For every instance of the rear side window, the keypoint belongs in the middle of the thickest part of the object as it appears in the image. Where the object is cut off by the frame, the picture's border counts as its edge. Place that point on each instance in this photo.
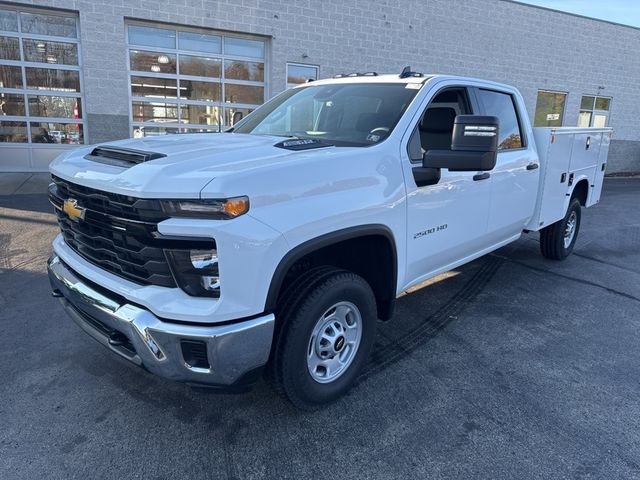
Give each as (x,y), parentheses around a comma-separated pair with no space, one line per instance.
(501,105)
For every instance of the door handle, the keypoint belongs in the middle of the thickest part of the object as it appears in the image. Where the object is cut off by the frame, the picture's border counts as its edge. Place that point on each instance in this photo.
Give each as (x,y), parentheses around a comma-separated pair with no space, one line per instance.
(481,176)
(532,166)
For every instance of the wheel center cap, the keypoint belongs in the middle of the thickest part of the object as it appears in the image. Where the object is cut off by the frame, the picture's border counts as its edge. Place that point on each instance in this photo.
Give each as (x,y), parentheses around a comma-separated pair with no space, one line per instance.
(339,344)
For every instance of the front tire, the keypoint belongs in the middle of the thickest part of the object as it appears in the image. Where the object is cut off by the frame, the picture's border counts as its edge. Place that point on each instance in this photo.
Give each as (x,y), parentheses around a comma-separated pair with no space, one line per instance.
(325,334)
(558,239)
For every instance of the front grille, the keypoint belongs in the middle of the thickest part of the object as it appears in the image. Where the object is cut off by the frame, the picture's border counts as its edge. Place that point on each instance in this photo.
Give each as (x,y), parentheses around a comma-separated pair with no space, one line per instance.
(118,233)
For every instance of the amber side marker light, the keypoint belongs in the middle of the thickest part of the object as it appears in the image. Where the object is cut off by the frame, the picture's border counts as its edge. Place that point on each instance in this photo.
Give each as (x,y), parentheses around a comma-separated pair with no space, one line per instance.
(218,209)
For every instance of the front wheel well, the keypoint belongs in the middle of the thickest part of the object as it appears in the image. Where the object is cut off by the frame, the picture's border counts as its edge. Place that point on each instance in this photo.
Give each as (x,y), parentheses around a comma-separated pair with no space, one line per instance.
(372,256)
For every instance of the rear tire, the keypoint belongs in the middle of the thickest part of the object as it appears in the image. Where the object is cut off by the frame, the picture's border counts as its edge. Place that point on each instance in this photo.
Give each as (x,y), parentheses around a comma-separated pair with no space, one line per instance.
(326,328)
(558,239)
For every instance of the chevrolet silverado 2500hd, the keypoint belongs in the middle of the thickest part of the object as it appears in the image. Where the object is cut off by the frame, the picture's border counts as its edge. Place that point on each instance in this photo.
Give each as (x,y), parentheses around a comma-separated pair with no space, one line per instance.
(205,258)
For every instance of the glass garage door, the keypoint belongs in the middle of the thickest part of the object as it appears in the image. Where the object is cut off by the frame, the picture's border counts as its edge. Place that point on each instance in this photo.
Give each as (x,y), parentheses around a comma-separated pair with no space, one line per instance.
(41,99)
(191,80)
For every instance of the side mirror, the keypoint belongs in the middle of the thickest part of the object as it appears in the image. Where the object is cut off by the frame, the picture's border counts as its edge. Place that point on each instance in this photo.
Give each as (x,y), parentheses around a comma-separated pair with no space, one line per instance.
(237,116)
(474,146)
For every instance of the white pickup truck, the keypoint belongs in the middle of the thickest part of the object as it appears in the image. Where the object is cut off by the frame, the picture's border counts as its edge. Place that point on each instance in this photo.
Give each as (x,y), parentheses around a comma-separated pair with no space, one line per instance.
(277,245)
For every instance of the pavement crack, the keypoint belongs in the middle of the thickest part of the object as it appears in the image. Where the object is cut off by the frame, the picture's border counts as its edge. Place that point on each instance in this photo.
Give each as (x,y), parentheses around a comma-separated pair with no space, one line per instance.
(609,264)
(573,279)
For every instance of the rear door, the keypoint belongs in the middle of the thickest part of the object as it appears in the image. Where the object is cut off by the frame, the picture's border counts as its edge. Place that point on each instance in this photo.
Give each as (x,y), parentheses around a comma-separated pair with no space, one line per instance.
(514,180)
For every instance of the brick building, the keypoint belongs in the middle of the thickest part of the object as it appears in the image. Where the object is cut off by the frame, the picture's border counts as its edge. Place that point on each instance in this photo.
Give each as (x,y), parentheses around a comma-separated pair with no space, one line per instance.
(88,71)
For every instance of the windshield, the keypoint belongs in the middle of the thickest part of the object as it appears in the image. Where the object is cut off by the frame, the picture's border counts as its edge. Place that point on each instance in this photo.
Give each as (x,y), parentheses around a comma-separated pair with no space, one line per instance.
(353,114)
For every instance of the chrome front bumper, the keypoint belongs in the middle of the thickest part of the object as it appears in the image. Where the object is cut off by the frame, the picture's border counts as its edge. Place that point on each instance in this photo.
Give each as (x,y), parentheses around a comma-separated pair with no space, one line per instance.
(234,352)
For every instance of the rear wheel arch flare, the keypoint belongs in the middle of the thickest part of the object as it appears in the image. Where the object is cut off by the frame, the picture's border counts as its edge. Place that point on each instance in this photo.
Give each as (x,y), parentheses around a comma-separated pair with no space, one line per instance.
(581,191)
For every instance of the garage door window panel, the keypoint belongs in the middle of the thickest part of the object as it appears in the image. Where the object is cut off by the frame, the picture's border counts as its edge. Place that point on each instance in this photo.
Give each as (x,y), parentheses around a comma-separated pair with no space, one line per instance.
(53,79)
(199,42)
(9,48)
(152,37)
(155,62)
(195,90)
(63,133)
(43,51)
(10,76)
(8,20)
(153,87)
(200,66)
(12,104)
(154,112)
(47,24)
(241,70)
(13,132)
(243,47)
(40,80)
(58,107)
(207,76)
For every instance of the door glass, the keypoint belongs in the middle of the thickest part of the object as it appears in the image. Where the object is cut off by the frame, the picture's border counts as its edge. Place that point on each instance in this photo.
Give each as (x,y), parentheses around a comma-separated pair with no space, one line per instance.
(501,105)
(602,103)
(599,120)
(587,103)
(584,119)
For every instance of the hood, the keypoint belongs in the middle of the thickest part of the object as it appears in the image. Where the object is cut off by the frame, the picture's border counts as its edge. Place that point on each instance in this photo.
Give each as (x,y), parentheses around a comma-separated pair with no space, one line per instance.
(189,163)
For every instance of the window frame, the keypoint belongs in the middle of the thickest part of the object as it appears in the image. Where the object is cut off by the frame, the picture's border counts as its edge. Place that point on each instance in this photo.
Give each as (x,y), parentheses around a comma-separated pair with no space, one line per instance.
(523,134)
(298,64)
(564,108)
(26,92)
(472,106)
(221,104)
(593,109)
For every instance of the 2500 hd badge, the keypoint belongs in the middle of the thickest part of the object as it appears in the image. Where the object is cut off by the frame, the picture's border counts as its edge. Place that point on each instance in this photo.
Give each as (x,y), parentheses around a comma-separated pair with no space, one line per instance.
(424,233)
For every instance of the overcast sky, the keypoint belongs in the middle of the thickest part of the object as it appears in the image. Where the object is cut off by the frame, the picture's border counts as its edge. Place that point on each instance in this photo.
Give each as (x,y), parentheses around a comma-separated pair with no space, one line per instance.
(619,11)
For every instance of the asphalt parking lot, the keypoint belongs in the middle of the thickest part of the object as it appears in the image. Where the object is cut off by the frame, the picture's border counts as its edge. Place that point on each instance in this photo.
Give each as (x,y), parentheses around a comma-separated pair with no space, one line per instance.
(510,367)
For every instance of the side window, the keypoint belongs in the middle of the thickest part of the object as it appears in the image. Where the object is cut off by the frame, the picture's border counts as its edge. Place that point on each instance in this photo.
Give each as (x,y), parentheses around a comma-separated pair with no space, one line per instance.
(501,105)
(435,129)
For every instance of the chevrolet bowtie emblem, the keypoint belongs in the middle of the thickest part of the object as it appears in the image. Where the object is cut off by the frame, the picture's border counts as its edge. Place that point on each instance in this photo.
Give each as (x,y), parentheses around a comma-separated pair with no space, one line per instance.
(72,209)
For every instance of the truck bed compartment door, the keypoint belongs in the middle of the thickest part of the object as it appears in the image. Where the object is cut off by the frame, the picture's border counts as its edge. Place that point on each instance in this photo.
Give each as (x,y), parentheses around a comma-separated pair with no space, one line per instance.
(601,168)
(584,157)
(555,157)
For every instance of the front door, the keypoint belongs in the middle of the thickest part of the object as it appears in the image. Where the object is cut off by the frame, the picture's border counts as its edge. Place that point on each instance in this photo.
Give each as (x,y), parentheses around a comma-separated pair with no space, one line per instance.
(446,221)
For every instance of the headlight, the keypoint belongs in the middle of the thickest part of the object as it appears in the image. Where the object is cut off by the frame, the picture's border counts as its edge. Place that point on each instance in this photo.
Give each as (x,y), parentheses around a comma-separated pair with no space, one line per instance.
(196,271)
(224,209)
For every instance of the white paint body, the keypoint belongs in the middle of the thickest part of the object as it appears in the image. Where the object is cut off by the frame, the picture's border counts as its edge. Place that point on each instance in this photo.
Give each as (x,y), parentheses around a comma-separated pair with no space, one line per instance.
(297,196)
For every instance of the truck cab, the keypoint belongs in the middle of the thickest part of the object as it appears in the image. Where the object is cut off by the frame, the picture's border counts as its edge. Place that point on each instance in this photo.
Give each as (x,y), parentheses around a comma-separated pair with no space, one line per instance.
(276,246)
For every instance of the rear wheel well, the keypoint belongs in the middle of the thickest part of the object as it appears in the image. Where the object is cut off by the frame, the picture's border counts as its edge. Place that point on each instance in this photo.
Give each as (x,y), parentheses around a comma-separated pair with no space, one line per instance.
(371,256)
(581,191)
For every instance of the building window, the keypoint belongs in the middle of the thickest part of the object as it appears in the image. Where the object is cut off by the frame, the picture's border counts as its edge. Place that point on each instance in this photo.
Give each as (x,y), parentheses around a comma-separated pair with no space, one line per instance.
(298,73)
(549,109)
(40,78)
(185,80)
(594,111)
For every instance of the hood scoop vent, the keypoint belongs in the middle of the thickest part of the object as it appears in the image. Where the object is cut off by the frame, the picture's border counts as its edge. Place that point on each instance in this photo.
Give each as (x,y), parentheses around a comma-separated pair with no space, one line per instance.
(121,157)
